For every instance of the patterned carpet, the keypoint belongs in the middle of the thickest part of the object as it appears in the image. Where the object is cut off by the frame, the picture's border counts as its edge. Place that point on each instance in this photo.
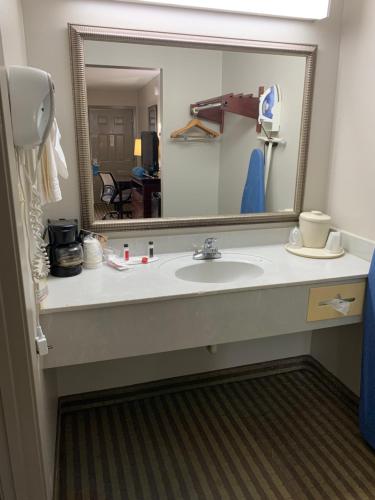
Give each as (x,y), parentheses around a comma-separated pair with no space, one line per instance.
(284,431)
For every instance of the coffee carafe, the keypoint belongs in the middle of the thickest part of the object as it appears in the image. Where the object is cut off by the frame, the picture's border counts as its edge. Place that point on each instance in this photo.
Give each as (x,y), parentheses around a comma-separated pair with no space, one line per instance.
(65,247)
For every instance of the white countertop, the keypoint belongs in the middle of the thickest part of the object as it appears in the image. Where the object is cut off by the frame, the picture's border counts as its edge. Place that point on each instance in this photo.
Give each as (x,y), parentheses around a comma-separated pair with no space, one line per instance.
(107,287)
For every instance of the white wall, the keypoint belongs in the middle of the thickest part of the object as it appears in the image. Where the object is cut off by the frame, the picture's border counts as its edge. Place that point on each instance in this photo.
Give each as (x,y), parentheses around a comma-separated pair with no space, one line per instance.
(12,32)
(246,73)
(48,47)
(187,168)
(351,199)
(113,97)
(148,96)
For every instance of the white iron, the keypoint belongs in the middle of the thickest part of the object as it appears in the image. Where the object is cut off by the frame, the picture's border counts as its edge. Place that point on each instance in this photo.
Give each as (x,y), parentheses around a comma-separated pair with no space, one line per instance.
(270,109)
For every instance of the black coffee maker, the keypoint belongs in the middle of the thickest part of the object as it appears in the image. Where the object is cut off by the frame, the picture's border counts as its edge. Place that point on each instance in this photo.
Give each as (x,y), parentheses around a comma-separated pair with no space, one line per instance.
(65,247)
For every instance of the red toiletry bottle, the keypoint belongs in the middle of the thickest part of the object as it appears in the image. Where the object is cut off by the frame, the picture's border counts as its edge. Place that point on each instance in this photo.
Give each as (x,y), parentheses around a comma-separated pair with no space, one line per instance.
(126,251)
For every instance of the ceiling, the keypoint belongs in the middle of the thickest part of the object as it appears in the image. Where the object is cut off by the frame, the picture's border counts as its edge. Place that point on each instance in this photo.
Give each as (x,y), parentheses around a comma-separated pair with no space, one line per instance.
(118,78)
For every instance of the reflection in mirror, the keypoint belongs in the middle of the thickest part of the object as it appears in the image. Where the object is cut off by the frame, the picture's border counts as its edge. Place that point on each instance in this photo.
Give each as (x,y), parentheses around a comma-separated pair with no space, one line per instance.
(180,132)
(122,111)
(186,131)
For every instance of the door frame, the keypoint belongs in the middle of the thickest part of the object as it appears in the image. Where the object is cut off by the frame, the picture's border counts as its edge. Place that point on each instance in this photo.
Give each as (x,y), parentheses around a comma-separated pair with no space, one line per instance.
(18,361)
(6,475)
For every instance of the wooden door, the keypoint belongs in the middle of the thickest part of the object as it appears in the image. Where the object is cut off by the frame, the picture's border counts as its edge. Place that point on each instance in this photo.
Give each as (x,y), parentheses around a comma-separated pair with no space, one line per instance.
(112,142)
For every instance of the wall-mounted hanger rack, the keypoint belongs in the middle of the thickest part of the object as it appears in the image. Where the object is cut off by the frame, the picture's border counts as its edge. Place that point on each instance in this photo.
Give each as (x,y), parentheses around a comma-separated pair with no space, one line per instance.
(185,138)
(240,104)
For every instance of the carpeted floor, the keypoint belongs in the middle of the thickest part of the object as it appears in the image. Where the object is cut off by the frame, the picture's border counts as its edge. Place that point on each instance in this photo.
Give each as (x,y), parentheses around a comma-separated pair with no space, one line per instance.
(285,431)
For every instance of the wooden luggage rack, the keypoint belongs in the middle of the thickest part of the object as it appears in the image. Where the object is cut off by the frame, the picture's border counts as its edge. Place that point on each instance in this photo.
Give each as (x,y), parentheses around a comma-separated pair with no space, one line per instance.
(240,104)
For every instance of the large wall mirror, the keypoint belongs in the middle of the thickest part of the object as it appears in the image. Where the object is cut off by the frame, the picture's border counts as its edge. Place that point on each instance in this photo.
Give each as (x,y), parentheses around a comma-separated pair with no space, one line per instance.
(177,130)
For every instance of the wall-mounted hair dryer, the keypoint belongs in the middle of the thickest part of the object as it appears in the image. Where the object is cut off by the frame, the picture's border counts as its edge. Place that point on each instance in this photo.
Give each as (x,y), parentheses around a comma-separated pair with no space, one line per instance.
(31,98)
(31,94)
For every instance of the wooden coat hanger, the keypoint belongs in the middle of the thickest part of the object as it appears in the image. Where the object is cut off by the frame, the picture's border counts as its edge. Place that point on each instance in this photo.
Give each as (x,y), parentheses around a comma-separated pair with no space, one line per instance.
(194,123)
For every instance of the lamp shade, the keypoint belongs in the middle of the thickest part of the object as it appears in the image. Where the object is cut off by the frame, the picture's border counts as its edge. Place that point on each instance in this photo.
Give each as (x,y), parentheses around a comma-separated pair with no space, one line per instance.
(138,147)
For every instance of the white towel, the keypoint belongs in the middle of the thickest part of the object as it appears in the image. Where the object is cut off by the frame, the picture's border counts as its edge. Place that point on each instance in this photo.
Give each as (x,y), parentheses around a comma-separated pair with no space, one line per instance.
(52,165)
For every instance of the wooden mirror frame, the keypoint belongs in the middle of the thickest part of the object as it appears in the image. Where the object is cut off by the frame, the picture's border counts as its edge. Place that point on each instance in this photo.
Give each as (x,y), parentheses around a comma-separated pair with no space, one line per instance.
(79,33)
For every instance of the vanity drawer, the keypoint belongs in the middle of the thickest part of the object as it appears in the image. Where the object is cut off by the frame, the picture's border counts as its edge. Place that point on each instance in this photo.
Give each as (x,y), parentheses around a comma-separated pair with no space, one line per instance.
(319,310)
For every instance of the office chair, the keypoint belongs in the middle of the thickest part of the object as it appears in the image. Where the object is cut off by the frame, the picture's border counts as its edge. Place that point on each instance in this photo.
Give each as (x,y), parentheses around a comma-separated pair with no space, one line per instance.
(111,195)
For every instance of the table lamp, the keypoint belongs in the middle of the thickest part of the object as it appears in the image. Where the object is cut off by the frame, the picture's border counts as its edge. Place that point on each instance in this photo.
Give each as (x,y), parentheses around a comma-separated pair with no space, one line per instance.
(138,147)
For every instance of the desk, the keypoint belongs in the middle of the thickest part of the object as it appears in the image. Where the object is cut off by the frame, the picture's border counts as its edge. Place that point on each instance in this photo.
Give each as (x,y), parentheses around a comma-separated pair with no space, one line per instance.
(143,188)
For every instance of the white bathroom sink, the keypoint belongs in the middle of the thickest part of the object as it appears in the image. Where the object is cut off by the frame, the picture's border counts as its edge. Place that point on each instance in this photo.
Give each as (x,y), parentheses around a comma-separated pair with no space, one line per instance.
(218,271)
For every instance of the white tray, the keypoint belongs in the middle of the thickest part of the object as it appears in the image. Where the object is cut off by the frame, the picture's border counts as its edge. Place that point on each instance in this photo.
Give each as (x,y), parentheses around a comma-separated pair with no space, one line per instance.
(314,253)
(135,261)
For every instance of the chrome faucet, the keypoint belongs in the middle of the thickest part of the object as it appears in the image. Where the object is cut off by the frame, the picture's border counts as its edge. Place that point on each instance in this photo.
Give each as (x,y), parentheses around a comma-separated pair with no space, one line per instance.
(209,251)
